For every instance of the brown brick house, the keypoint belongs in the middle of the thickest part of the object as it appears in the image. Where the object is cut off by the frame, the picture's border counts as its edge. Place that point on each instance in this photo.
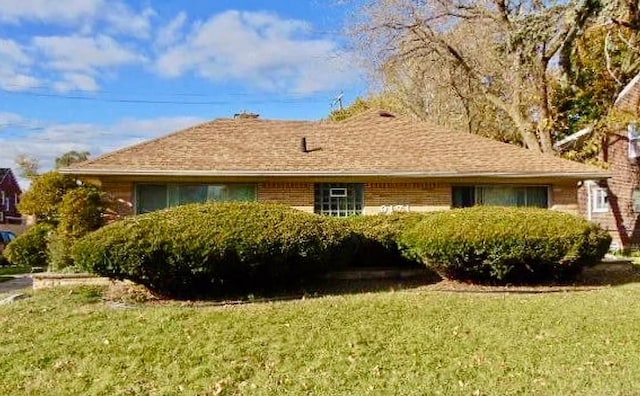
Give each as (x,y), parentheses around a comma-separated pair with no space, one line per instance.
(615,203)
(9,197)
(372,163)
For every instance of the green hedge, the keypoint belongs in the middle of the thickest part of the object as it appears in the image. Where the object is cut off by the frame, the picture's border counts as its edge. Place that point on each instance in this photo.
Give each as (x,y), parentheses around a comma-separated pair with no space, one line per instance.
(30,248)
(216,248)
(506,245)
(377,239)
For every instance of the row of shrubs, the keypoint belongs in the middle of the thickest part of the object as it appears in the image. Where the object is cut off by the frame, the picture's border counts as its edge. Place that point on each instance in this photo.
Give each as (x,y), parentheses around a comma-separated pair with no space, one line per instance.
(230,247)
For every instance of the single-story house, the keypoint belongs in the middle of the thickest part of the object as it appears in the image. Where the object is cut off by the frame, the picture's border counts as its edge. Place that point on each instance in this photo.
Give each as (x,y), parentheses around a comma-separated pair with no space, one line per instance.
(615,203)
(9,198)
(375,162)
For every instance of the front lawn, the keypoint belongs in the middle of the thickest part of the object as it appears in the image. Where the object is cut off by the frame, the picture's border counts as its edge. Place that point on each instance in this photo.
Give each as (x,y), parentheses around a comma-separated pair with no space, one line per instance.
(12,270)
(412,342)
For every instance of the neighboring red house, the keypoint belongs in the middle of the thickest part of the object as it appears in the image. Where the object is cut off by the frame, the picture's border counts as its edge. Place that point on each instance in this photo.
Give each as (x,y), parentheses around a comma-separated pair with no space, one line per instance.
(615,203)
(9,197)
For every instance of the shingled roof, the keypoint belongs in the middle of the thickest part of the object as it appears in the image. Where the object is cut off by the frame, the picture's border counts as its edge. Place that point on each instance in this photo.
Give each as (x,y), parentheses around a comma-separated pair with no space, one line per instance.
(375,143)
(629,98)
(6,176)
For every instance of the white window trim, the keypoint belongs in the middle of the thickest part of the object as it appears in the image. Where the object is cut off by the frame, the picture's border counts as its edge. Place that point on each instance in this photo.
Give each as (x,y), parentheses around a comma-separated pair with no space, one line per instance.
(635,198)
(599,201)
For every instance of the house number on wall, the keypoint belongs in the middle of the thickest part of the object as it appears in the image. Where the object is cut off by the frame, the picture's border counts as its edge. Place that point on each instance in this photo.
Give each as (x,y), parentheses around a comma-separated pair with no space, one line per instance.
(386,209)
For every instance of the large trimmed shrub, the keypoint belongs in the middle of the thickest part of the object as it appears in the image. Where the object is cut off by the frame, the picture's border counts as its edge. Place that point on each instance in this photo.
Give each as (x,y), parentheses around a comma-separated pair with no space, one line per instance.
(30,248)
(215,248)
(378,236)
(506,245)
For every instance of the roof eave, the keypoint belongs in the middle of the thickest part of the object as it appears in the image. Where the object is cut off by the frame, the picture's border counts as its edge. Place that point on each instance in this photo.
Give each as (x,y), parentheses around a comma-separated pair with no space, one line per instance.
(595,175)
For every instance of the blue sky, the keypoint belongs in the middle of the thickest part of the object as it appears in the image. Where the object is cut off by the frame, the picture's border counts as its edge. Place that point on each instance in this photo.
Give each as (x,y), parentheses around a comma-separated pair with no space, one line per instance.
(97,75)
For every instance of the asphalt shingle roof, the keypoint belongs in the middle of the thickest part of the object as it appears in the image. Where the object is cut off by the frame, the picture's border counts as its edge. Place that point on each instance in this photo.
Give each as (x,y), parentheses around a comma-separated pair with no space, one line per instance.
(373,143)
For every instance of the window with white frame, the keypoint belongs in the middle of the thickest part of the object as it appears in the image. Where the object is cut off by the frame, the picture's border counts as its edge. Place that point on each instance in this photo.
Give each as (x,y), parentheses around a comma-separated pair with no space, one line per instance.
(636,200)
(634,140)
(599,199)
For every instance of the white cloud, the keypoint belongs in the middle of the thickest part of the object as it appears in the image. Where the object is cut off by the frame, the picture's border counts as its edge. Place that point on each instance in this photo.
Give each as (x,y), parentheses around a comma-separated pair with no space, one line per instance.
(46,141)
(64,12)
(259,49)
(172,32)
(14,67)
(76,81)
(121,19)
(116,15)
(12,52)
(7,119)
(86,54)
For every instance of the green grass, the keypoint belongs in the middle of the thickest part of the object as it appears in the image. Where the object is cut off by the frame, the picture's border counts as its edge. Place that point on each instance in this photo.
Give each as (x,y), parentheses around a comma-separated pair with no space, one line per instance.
(414,342)
(14,270)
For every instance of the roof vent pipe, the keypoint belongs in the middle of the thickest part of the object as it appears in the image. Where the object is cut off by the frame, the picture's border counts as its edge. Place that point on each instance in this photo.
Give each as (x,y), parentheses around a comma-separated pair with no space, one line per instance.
(303,145)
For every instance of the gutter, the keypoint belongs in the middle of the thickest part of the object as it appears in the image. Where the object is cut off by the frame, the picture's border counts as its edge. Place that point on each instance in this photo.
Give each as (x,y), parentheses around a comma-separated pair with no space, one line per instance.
(257,173)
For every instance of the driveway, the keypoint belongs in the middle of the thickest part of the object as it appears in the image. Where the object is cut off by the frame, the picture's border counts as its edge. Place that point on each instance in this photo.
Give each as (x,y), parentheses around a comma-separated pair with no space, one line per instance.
(20,282)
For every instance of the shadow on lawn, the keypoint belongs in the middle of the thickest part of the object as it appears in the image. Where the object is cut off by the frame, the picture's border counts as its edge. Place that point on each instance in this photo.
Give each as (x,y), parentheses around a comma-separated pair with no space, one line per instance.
(590,279)
(127,292)
(428,281)
(336,287)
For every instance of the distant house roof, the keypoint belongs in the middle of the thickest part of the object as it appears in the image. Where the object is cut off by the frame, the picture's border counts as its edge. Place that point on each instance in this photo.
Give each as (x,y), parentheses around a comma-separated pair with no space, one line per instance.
(573,139)
(375,143)
(629,98)
(7,174)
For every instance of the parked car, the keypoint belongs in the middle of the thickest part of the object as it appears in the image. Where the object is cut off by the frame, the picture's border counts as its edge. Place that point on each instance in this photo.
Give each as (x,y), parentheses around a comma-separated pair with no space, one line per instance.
(5,238)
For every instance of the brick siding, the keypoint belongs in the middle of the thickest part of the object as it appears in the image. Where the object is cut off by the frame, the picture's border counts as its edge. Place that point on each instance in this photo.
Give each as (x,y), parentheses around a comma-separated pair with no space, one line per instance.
(418,197)
(620,220)
(564,198)
(298,195)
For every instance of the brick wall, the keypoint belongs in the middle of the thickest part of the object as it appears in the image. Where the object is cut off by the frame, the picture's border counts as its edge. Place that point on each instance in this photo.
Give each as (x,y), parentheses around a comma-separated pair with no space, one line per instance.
(564,198)
(298,195)
(418,197)
(620,220)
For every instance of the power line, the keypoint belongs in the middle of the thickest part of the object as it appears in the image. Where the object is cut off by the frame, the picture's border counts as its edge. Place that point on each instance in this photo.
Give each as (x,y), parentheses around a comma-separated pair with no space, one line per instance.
(172,102)
(24,88)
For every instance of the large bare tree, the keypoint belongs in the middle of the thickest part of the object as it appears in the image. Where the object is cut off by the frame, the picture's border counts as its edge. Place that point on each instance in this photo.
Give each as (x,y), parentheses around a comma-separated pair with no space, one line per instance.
(505,55)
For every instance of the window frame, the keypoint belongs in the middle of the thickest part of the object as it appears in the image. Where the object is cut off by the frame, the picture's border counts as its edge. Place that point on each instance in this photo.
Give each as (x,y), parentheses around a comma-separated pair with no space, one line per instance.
(168,186)
(599,199)
(324,199)
(475,187)
(635,199)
